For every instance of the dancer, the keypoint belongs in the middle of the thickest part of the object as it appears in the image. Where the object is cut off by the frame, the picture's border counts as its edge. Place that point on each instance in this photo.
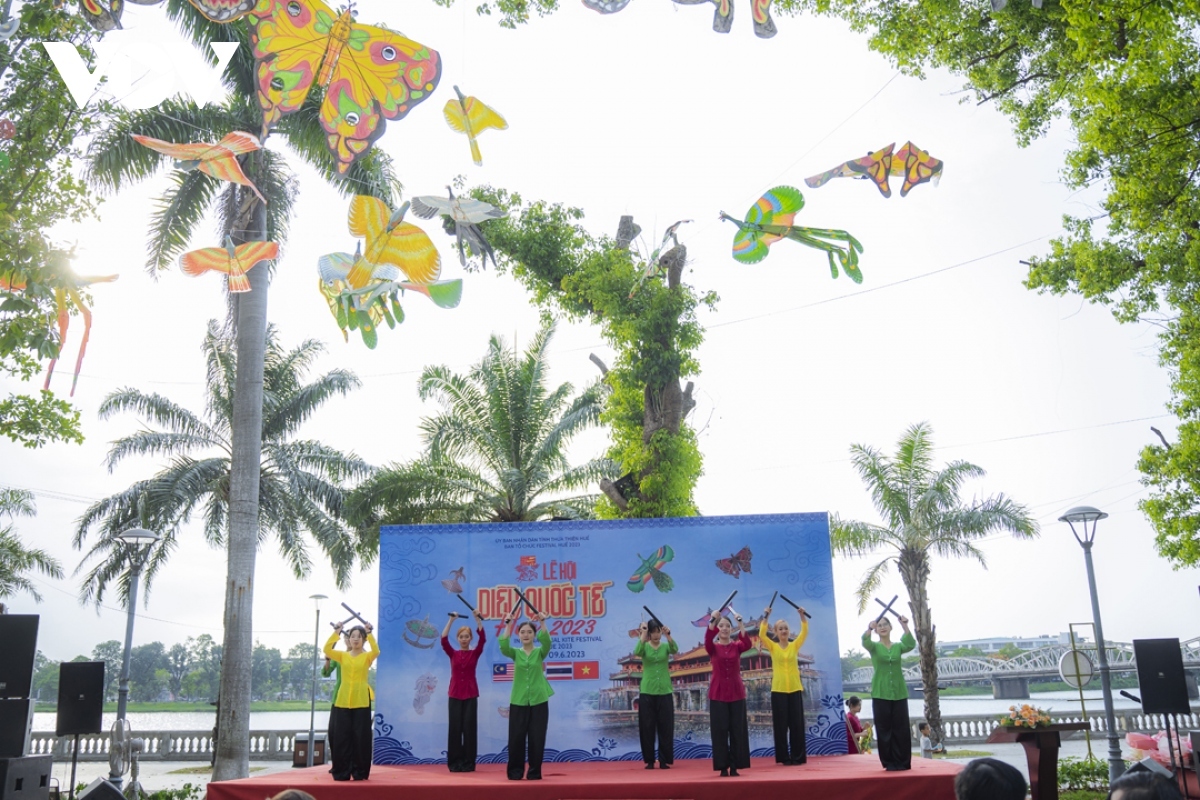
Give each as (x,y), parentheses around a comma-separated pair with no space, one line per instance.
(656,703)
(462,744)
(529,708)
(889,693)
(727,695)
(787,693)
(352,707)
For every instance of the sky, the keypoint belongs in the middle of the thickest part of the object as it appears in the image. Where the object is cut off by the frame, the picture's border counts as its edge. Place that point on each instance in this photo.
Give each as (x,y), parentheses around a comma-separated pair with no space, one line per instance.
(649,112)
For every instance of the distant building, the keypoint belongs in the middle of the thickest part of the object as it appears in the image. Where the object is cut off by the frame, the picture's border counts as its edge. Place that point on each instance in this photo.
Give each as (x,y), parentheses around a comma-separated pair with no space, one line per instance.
(996,644)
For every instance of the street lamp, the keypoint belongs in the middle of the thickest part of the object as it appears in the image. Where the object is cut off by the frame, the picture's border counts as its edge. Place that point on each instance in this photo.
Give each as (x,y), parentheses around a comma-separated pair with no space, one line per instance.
(312,709)
(1087,517)
(137,543)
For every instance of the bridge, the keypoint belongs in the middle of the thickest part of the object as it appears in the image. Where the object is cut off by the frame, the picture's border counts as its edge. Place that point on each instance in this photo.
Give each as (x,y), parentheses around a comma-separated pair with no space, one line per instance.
(1010,678)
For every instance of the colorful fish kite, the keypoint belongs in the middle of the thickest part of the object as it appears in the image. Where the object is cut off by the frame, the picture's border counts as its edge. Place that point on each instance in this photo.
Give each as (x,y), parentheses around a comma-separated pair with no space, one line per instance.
(218,160)
(737,563)
(67,287)
(471,116)
(233,260)
(224,11)
(379,301)
(915,164)
(369,74)
(651,570)
(770,220)
(466,214)
(653,267)
(453,584)
(760,10)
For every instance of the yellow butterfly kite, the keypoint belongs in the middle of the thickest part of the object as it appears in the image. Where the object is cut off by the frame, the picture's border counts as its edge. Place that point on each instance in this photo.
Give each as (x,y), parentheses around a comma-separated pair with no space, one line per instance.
(471,116)
(218,160)
(234,260)
(390,240)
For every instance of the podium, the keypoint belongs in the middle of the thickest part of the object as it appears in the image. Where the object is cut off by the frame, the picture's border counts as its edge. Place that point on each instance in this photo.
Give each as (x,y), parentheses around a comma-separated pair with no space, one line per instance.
(1041,753)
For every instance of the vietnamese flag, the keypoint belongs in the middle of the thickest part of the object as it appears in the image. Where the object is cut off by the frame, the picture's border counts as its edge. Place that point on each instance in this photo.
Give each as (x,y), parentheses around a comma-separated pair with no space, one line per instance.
(587,670)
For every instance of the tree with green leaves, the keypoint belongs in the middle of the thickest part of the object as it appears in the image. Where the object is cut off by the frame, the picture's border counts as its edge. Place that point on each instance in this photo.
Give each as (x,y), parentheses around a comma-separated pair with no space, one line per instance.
(116,160)
(497,450)
(112,653)
(39,188)
(647,313)
(923,517)
(17,561)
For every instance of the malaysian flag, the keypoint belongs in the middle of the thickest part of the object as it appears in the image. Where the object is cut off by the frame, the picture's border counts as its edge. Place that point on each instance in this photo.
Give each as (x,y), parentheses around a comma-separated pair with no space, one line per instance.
(559,671)
(502,672)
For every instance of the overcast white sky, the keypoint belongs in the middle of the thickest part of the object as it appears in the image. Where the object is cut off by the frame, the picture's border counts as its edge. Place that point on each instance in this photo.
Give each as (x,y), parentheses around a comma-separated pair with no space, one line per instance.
(651,113)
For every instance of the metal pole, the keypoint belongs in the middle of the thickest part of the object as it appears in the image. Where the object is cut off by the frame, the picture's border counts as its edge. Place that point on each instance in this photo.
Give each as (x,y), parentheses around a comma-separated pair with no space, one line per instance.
(1087,732)
(312,709)
(135,571)
(1116,765)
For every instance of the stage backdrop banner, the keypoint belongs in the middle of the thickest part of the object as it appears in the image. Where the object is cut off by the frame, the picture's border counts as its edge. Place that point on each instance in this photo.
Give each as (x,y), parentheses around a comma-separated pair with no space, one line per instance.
(595,579)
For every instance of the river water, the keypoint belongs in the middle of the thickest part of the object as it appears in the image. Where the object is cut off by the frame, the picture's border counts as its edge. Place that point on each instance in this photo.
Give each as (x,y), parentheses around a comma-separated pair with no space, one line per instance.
(976,705)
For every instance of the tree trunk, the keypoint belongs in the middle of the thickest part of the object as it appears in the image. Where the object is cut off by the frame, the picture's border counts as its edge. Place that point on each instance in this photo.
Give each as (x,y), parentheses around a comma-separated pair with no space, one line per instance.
(233,713)
(914,570)
(666,404)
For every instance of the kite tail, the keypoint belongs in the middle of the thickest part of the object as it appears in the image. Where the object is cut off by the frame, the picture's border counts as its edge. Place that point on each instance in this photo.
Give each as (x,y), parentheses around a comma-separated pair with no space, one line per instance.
(475,153)
(87,333)
(238,282)
(359,274)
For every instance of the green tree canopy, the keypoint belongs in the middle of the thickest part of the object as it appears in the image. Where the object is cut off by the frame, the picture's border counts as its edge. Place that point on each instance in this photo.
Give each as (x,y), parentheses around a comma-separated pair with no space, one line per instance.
(496,452)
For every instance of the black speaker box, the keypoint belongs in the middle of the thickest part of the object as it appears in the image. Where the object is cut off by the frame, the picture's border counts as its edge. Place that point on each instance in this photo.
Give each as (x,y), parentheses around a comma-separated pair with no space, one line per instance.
(19,634)
(16,722)
(80,698)
(25,778)
(1160,676)
(100,789)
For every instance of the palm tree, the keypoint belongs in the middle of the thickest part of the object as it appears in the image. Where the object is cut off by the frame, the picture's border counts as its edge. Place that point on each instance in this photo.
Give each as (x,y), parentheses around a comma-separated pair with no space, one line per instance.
(115,161)
(17,560)
(495,453)
(922,517)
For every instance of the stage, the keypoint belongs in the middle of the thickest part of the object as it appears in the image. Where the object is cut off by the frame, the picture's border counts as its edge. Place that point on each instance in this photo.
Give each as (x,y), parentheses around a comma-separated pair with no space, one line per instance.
(858,777)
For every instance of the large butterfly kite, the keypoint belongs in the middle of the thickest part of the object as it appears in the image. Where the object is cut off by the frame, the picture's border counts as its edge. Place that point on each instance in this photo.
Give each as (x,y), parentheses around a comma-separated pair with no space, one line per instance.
(737,563)
(769,220)
(915,164)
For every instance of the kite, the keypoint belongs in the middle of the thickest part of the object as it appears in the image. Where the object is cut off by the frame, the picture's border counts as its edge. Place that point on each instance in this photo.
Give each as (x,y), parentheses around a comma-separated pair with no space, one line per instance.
(224,11)
(390,240)
(606,6)
(651,569)
(421,630)
(466,215)
(218,160)
(998,5)
(915,164)
(423,691)
(105,15)
(234,261)
(770,219)
(471,116)
(453,583)
(368,74)
(8,28)
(363,309)
(653,266)
(760,10)
(737,563)
(67,287)
(7,129)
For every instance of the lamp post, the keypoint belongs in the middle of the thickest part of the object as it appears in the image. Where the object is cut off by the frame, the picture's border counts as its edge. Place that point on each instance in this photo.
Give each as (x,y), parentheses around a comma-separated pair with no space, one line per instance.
(312,708)
(1086,518)
(137,543)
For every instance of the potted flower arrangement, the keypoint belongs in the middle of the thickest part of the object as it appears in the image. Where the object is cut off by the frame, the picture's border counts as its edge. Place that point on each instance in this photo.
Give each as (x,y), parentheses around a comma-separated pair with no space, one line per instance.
(1026,716)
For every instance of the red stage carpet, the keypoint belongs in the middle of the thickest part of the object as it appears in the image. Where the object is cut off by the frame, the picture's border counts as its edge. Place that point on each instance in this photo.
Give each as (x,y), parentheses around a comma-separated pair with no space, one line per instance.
(843,777)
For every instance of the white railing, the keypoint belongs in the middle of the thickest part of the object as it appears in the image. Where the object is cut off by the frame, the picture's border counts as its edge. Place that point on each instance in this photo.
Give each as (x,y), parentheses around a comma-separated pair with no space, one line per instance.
(163,745)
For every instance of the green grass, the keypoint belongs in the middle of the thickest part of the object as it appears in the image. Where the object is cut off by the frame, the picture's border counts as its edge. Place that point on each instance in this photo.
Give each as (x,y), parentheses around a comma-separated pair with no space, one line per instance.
(1081,794)
(205,770)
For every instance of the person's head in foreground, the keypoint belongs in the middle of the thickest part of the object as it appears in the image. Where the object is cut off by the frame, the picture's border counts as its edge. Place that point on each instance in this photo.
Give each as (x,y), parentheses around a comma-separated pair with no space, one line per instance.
(1143,784)
(292,794)
(989,779)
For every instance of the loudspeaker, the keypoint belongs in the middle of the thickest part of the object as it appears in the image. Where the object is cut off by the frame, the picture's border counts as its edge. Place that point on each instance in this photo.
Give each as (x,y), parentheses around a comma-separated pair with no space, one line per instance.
(100,789)
(25,778)
(1160,676)
(16,722)
(80,698)
(19,634)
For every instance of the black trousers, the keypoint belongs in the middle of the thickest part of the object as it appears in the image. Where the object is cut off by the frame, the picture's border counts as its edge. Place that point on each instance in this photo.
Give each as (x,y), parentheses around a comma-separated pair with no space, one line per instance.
(656,716)
(463,742)
(527,726)
(352,743)
(894,733)
(787,718)
(329,738)
(730,734)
